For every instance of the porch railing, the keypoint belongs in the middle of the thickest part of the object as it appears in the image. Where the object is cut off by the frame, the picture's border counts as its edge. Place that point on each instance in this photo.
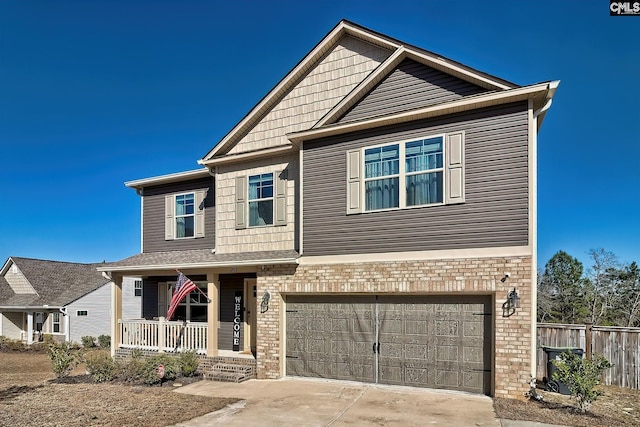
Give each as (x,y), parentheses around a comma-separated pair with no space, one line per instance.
(161,335)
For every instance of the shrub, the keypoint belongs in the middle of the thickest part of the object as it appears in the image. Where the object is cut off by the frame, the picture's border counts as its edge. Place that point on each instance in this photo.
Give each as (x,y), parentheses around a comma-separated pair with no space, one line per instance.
(104,341)
(131,370)
(149,372)
(581,376)
(8,344)
(189,363)
(62,359)
(88,341)
(101,366)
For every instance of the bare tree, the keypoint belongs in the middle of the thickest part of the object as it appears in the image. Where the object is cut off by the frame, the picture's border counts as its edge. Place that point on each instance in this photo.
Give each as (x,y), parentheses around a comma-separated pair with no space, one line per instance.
(600,286)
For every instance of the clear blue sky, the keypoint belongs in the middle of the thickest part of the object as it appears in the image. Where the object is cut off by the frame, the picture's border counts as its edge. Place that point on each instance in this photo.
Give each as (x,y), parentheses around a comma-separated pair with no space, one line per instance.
(95,93)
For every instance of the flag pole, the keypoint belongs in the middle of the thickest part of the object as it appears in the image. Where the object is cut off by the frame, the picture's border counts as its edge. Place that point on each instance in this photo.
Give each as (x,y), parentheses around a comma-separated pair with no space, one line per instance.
(199,290)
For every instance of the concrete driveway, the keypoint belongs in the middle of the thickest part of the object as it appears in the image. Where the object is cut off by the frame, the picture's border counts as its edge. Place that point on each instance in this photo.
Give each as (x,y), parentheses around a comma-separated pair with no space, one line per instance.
(315,402)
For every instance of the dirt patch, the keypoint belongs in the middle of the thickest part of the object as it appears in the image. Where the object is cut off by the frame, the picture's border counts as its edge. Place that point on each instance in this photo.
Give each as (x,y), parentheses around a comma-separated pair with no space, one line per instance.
(616,407)
(31,395)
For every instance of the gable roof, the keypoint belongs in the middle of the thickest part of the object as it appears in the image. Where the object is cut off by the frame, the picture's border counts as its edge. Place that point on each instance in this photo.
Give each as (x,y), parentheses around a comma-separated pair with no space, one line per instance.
(401,50)
(57,283)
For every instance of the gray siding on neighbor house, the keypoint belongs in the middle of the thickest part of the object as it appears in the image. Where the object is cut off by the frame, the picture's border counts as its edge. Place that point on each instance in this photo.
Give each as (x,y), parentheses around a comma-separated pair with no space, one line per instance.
(131,304)
(12,325)
(153,217)
(411,85)
(97,322)
(496,184)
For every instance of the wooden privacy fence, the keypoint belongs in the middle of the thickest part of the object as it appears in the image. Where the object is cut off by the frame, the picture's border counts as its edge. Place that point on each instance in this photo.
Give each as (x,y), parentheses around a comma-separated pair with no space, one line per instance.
(621,346)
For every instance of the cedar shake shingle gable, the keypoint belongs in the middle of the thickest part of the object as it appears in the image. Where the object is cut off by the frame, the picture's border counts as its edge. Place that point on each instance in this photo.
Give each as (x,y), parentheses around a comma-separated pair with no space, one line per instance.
(57,283)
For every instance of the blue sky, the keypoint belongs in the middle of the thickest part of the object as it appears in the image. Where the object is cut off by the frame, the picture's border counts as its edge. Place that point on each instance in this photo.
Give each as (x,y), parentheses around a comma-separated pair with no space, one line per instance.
(96,93)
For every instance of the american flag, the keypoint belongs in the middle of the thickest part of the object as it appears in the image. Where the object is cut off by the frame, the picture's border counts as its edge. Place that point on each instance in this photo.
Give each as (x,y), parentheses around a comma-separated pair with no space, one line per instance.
(183,287)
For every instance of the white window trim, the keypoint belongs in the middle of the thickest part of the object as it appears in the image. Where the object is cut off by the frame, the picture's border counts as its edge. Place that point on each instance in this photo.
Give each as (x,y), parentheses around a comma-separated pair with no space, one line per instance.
(402,174)
(176,216)
(272,198)
(135,287)
(186,302)
(53,323)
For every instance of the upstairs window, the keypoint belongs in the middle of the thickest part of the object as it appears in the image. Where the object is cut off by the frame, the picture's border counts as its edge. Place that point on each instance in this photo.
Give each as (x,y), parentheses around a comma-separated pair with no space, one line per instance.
(261,200)
(382,175)
(424,181)
(418,172)
(185,215)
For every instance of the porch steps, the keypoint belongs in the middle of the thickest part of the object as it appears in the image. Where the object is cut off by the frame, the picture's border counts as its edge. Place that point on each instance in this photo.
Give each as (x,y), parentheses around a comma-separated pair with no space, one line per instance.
(228,372)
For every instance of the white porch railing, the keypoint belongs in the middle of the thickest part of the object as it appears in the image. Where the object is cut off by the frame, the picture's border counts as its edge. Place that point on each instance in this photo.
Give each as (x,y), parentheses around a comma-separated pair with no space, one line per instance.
(161,335)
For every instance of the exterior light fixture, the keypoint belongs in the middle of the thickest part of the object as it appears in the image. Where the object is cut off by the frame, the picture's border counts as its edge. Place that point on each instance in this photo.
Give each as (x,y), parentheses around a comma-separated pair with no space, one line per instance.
(510,305)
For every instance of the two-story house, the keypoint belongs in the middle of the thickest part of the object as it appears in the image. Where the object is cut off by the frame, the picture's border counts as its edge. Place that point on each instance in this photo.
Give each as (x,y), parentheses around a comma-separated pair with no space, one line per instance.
(367,220)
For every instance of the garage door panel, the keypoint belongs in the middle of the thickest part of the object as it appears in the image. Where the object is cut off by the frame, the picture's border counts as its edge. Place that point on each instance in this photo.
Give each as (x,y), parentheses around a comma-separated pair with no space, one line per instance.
(424,341)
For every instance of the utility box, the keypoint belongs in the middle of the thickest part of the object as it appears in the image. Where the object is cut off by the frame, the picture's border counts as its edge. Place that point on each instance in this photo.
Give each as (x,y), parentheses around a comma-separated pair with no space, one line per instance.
(553,353)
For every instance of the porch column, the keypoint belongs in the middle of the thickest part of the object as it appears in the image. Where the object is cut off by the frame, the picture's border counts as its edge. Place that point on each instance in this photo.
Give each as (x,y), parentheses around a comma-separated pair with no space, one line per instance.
(116,312)
(67,327)
(30,327)
(213,313)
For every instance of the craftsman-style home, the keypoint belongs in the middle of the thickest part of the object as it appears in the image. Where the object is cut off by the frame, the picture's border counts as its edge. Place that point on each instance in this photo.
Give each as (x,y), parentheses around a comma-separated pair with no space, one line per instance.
(372,218)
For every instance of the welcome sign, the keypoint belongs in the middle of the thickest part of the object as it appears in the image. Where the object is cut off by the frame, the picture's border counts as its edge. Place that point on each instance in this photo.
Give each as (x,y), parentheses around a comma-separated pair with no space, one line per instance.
(237,318)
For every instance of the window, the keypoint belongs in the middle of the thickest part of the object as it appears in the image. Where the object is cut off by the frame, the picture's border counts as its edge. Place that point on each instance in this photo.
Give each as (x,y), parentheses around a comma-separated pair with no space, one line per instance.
(423,171)
(194,306)
(137,288)
(81,313)
(39,321)
(185,215)
(261,200)
(419,172)
(56,322)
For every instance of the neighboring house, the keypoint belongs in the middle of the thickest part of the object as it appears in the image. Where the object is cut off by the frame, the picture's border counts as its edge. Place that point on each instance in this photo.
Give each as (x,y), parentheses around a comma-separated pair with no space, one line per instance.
(62,299)
(366,220)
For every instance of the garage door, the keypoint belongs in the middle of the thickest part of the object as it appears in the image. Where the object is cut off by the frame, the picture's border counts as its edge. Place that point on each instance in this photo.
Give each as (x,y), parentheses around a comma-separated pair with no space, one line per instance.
(438,342)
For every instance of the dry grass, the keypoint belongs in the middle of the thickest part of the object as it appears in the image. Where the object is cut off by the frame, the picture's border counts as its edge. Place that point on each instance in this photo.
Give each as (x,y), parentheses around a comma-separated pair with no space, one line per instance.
(31,396)
(616,407)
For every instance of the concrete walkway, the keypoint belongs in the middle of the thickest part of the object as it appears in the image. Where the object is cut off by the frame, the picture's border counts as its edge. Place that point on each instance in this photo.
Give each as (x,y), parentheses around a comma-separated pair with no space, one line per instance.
(314,402)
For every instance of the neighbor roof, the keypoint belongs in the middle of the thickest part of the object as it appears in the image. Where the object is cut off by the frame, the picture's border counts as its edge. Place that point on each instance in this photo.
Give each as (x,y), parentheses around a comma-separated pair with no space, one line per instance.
(57,283)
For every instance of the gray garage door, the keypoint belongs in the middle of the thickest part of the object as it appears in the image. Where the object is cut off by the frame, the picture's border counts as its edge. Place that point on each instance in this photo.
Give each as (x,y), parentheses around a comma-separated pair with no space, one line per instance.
(439,342)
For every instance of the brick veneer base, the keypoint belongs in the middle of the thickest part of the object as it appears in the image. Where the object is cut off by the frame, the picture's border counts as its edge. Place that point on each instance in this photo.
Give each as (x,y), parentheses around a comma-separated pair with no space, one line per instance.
(511,340)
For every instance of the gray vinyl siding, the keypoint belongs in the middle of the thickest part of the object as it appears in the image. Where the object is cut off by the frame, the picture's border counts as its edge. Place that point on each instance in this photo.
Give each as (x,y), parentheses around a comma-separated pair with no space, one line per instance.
(131,304)
(495,212)
(12,325)
(153,217)
(411,85)
(96,322)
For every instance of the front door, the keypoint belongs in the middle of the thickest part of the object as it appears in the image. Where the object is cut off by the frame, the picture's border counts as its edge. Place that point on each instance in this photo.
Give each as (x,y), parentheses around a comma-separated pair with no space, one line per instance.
(250,317)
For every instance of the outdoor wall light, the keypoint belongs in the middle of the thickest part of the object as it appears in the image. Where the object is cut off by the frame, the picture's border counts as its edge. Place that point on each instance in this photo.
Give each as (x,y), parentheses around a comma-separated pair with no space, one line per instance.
(512,302)
(264,304)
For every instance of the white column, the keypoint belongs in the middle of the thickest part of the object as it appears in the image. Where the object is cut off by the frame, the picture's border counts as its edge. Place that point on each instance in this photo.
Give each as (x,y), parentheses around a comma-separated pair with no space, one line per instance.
(67,327)
(30,327)
(116,312)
